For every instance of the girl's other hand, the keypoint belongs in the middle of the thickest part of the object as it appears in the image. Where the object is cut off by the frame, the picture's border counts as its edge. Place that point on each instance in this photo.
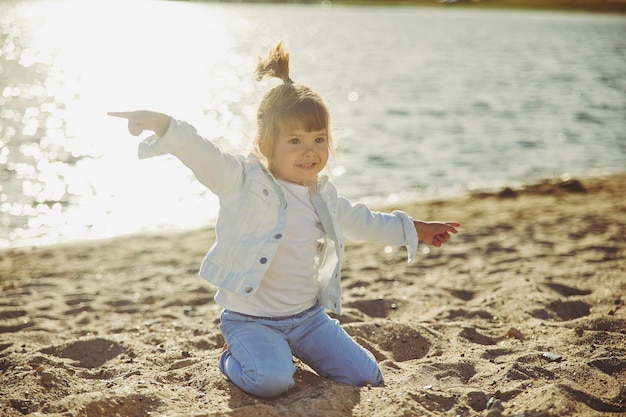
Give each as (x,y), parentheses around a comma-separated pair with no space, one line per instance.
(435,233)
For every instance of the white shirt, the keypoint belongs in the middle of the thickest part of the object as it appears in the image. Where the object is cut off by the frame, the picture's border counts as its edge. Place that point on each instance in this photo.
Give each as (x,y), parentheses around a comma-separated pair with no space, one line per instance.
(290,284)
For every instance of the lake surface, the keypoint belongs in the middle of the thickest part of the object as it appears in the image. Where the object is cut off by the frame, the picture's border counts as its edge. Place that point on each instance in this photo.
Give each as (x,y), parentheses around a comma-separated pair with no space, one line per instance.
(425,102)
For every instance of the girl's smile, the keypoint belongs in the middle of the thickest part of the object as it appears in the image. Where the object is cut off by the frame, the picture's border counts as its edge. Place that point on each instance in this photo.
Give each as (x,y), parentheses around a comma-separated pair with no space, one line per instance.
(308,165)
(299,156)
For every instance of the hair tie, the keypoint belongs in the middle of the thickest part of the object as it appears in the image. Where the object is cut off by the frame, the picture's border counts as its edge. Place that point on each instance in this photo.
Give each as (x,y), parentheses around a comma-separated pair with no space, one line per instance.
(288,81)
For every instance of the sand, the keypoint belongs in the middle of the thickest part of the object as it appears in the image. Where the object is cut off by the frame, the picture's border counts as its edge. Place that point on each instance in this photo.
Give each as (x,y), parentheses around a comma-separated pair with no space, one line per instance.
(520,314)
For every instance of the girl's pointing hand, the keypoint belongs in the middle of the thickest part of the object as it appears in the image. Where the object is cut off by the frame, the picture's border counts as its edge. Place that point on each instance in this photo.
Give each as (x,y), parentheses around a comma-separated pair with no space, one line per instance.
(141,120)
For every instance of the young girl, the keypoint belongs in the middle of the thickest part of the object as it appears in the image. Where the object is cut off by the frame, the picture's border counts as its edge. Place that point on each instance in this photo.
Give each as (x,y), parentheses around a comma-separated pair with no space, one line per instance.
(279,246)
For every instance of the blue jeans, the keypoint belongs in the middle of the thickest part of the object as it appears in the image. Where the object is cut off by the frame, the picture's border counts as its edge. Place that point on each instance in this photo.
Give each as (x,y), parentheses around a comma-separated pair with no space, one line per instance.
(260,349)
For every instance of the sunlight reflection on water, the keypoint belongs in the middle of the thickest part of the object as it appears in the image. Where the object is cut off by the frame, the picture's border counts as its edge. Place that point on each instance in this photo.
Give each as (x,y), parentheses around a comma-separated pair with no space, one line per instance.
(77,177)
(425,101)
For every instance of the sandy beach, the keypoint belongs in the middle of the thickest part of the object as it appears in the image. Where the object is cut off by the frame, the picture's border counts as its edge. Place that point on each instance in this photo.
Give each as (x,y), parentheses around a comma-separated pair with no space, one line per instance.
(522,314)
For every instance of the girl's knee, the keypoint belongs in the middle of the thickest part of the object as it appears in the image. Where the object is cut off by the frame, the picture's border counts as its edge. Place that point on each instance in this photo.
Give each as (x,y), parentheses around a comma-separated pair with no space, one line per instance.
(263,381)
(375,379)
(269,385)
(360,379)
(359,373)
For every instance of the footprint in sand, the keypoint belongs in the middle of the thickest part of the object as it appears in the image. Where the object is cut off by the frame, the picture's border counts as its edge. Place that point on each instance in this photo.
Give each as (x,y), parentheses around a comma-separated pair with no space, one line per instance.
(13,320)
(89,353)
(470,333)
(100,404)
(380,308)
(402,342)
(565,290)
(563,310)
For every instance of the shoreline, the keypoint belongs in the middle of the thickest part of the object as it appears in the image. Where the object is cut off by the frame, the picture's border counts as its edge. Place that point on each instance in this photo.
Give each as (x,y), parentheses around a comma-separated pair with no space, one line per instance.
(522,313)
(588,6)
(615,6)
(376,203)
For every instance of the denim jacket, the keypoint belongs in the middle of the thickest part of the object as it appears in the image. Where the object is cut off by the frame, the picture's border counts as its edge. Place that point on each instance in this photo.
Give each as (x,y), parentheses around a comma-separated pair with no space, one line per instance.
(252,216)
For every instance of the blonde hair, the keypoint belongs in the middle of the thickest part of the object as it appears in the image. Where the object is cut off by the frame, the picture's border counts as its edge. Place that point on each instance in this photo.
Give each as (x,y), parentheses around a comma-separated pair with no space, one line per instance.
(285,107)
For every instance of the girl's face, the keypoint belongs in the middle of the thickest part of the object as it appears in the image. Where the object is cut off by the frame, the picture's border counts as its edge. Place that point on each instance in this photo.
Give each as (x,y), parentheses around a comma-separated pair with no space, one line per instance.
(299,156)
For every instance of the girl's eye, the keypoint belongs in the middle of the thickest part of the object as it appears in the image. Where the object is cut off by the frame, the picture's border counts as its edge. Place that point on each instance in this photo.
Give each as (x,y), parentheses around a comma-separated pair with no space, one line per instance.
(294,141)
(320,140)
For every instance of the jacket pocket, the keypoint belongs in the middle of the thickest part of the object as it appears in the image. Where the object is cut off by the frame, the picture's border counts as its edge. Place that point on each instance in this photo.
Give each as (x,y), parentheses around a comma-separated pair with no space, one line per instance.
(264,192)
(257,210)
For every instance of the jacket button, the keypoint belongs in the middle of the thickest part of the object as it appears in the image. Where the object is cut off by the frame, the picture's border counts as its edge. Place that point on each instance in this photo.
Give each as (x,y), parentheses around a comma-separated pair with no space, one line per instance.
(248,290)
(266,193)
(263,260)
(277,236)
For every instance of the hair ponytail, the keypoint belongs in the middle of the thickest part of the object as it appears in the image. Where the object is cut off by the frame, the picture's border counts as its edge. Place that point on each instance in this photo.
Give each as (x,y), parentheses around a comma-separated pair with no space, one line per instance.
(275,65)
(285,106)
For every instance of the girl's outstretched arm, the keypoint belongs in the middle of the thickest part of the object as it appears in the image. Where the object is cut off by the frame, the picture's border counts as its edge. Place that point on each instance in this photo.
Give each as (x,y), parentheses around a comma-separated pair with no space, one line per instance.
(435,233)
(141,120)
(220,172)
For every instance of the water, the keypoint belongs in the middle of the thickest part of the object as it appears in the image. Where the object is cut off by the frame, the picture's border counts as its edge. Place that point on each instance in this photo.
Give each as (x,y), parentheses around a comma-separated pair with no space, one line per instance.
(425,102)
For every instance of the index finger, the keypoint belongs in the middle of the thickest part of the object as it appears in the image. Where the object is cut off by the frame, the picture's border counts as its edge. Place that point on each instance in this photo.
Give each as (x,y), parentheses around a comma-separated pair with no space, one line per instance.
(122,114)
(453,226)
